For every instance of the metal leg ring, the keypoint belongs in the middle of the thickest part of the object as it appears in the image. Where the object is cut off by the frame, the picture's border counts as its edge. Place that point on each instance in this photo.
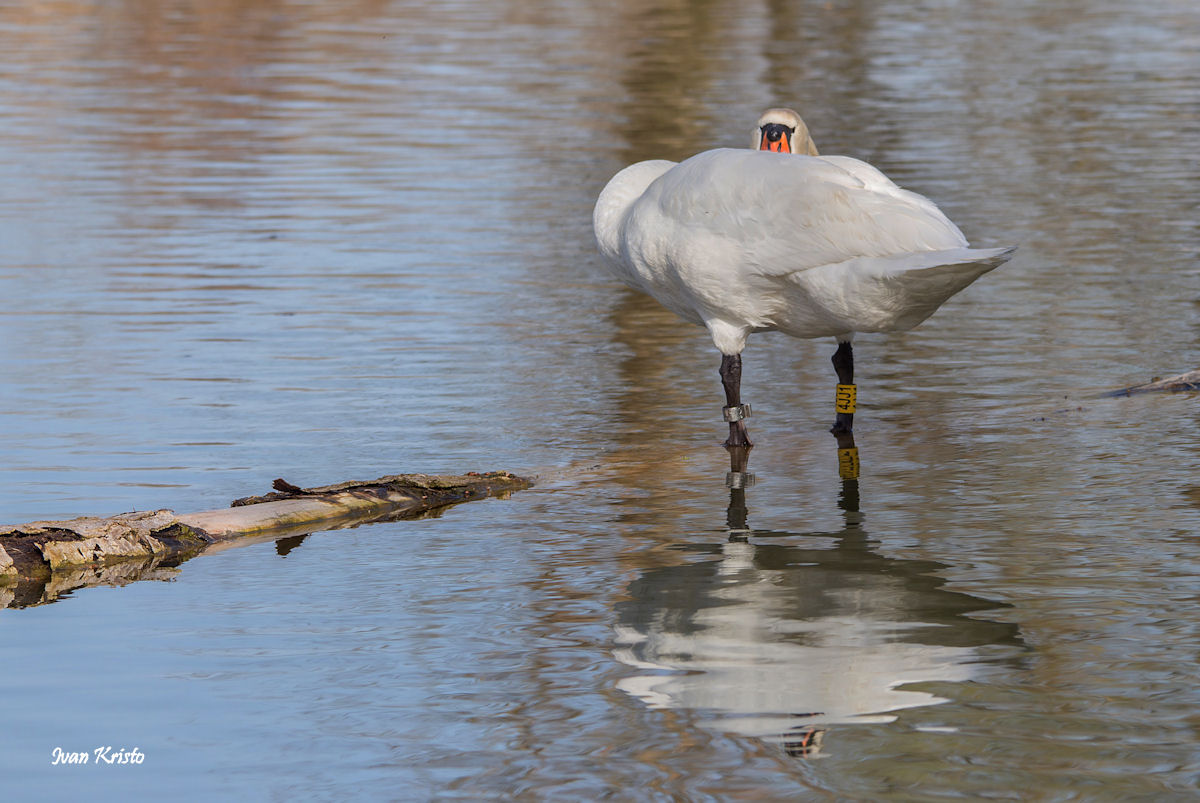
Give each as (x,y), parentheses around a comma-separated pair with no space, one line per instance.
(736,413)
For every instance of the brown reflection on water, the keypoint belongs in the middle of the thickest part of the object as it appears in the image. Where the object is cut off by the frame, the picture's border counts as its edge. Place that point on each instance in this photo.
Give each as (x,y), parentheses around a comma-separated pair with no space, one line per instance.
(667,71)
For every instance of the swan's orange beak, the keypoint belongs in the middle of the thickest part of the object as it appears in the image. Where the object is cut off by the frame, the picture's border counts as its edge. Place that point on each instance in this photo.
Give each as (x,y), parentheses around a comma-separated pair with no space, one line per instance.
(776,137)
(778,146)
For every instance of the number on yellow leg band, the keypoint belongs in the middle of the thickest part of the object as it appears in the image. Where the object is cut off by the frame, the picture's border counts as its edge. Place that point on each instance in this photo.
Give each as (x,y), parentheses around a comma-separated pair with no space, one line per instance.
(845,398)
(848,463)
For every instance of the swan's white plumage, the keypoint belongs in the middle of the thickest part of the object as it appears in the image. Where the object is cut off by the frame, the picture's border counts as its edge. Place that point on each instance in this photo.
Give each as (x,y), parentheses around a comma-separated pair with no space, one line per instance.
(747,241)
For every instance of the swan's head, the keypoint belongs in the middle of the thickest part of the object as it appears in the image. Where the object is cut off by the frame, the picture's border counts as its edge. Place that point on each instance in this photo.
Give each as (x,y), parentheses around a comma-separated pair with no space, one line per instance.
(783,131)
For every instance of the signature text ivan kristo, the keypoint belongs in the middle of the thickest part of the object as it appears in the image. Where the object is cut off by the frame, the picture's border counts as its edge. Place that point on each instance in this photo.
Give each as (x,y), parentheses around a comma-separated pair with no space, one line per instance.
(101,755)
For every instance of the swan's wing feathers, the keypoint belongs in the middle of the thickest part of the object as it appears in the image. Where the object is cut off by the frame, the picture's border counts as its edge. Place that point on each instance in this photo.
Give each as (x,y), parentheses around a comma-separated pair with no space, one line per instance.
(789,212)
(874,180)
(842,214)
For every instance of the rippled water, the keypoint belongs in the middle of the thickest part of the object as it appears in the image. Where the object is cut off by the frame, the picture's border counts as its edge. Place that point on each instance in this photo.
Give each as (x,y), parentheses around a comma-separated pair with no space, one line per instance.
(333,241)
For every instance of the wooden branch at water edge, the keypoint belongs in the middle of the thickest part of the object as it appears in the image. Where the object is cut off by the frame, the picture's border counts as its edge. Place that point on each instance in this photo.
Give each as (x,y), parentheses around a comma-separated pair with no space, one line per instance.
(1171,384)
(35,550)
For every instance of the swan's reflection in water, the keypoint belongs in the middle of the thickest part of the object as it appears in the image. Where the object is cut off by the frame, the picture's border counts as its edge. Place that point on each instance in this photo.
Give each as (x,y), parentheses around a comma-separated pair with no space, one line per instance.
(778,634)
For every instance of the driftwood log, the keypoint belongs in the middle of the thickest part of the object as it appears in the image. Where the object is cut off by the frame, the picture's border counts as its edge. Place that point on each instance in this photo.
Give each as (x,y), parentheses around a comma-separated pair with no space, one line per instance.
(1187,381)
(42,559)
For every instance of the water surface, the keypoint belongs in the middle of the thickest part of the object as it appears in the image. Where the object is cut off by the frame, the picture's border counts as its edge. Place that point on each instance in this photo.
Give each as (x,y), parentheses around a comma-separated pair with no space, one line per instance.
(282,238)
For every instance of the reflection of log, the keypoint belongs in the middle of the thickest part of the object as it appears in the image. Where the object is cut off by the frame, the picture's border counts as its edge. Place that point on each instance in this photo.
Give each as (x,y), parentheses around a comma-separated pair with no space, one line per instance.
(34,591)
(163,538)
(1187,381)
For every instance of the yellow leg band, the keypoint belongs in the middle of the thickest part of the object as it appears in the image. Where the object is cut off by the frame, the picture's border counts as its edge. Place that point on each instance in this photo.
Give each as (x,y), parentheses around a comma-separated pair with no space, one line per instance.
(845,398)
(848,463)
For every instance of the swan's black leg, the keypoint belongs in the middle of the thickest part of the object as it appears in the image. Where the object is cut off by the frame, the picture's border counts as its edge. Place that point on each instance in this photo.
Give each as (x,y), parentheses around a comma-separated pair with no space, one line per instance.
(738,479)
(843,363)
(735,411)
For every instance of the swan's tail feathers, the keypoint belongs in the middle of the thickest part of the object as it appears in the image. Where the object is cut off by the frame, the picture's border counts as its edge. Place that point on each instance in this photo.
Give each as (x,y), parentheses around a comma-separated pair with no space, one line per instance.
(918,289)
(892,294)
(957,261)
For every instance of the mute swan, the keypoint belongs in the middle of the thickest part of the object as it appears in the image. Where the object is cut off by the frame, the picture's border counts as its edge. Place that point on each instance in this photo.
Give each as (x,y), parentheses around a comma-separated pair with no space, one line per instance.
(745,241)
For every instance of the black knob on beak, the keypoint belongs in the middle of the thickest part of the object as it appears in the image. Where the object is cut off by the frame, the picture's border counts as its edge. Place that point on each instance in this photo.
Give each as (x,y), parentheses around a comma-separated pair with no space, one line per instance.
(776,137)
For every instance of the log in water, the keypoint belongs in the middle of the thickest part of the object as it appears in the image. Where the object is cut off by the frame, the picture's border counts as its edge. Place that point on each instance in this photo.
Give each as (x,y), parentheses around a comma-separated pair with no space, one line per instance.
(1171,384)
(50,556)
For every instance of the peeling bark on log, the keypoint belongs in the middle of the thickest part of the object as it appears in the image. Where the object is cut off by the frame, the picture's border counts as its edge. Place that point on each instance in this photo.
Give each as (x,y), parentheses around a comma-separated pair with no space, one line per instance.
(1172,384)
(42,559)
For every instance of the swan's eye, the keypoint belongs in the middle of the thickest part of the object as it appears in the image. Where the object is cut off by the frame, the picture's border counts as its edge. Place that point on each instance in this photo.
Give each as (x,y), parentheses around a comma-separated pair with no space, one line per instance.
(776,137)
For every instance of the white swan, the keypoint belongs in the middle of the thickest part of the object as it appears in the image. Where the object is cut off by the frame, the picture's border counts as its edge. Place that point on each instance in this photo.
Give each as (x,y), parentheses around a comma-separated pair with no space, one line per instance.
(745,241)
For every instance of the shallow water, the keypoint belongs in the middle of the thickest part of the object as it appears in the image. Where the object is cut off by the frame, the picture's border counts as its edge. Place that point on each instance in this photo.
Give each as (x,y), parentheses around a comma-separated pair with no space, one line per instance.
(252,240)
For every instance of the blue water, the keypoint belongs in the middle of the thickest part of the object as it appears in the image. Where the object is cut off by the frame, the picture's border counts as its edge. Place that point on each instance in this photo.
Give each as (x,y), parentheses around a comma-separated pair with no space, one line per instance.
(322,243)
